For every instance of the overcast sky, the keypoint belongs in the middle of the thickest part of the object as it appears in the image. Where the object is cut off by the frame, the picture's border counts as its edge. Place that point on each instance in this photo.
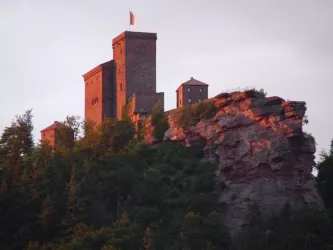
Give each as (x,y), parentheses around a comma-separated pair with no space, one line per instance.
(283,46)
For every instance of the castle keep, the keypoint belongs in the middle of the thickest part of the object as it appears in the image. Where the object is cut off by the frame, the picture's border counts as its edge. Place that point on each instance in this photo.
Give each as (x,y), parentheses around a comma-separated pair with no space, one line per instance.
(130,79)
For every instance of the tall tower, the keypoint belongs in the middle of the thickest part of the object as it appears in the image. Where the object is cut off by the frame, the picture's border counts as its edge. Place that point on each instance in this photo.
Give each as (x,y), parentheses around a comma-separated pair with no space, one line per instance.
(134,54)
(130,76)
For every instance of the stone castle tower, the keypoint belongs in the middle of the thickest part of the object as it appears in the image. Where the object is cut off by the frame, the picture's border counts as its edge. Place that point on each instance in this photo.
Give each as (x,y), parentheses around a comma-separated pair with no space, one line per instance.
(129,78)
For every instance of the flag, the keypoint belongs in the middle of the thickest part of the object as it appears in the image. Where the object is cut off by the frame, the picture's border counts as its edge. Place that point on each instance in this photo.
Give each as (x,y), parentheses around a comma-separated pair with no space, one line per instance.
(132,18)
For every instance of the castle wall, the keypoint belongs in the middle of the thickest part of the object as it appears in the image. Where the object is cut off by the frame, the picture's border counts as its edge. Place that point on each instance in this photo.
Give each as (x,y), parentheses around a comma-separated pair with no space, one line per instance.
(135,57)
(144,103)
(119,56)
(94,98)
(109,92)
(48,136)
(183,95)
(141,66)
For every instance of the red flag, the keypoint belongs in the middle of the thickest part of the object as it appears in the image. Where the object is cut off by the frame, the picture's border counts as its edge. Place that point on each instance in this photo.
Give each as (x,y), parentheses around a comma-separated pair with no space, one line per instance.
(132,18)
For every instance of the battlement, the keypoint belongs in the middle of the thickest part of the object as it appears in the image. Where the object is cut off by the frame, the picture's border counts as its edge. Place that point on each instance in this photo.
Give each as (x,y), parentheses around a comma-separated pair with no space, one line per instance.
(137,35)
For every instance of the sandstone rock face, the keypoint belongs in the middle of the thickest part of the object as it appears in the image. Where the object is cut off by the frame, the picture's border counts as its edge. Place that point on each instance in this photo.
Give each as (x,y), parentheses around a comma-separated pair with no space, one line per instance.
(264,159)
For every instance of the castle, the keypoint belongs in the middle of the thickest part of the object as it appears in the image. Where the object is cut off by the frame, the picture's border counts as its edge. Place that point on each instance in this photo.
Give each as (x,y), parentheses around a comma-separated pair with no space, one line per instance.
(129,78)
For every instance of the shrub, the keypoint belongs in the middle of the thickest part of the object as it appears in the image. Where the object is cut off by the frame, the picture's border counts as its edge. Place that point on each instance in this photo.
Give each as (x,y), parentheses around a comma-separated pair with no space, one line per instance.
(192,114)
(159,120)
(255,93)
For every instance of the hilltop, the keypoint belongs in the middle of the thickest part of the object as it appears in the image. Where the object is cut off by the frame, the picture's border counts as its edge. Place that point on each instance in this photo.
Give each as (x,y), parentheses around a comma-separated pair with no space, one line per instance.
(231,172)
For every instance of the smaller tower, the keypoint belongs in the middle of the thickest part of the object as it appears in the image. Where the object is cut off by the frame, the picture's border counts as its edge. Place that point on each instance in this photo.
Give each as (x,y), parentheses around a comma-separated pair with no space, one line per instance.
(100,96)
(57,135)
(191,92)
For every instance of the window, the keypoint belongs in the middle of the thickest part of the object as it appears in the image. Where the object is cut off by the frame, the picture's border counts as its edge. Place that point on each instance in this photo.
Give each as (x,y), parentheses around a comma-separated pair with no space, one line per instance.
(189,90)
(189,100)
(140,49)
(200,89)
(44,134)
(94,101)
(121,87)
(199,100)
(180,102)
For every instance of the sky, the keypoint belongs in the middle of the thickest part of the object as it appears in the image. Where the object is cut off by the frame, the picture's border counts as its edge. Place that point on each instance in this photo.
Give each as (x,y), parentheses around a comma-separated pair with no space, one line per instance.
(282,46)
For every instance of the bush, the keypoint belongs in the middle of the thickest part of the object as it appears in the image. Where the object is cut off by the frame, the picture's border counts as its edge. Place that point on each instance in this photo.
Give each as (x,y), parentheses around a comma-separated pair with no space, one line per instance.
(255,93)
(161,125)
(192,114)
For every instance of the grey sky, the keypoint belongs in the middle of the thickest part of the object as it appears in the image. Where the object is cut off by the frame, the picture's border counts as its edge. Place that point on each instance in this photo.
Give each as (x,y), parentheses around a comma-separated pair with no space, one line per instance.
(283,46)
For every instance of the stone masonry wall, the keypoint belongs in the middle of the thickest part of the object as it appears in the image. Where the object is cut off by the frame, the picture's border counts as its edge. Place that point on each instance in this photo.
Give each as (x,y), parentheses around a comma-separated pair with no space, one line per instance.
(94,98)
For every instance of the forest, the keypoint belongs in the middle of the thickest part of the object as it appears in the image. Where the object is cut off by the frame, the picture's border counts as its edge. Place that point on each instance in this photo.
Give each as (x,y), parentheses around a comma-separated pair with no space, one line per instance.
(112,192)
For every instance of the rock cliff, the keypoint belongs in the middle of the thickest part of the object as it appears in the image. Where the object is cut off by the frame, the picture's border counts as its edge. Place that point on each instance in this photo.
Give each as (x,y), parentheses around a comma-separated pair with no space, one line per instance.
(264,158)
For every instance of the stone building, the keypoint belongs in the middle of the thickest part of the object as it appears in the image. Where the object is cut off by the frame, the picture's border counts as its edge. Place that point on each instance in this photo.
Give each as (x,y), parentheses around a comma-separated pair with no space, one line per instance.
(190,92)
(100,96)
(56,135)
(129,78)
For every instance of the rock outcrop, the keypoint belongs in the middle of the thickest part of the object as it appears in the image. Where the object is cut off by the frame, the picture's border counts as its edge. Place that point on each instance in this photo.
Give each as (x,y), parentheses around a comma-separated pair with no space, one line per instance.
(264,158)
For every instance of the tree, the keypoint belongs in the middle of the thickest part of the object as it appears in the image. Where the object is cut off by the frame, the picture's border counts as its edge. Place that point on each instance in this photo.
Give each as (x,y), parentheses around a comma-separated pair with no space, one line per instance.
(16,142)
(75,124)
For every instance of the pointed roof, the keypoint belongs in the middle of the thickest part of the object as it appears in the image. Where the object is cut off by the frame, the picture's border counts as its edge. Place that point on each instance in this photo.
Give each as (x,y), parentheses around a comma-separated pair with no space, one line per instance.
(55,125)
(195,82)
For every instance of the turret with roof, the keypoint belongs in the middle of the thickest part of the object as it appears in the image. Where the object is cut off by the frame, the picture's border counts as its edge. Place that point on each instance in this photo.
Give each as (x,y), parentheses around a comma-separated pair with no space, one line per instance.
(191,91)
(57,134)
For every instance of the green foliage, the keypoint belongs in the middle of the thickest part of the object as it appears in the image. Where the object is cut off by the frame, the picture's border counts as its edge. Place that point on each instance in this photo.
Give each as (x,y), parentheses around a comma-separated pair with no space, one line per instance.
(75,124)
(255,93)
(204,232)
(325,177)
(126,111)
(160,122)
(192,114)
(114,193)
(109,137)
(16,142)
(303,229)
(108,192)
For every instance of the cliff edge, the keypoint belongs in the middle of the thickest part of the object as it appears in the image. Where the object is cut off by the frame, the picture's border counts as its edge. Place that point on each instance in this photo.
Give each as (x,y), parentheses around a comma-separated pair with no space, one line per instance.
(264,158)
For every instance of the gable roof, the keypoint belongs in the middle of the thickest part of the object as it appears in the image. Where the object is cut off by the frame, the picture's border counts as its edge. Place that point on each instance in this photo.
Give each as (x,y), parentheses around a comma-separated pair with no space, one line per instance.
(55,125)
(193,82)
